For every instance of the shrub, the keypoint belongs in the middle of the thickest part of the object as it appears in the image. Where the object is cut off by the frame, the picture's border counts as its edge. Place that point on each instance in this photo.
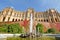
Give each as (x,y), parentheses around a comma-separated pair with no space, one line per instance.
(51,30)
(39,28)
(11,28)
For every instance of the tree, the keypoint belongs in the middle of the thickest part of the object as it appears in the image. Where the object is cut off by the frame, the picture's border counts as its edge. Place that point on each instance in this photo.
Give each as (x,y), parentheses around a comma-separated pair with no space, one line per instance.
(26,25)
(15,28)
(39,28)
(11,28)
(3,28)
(51,30)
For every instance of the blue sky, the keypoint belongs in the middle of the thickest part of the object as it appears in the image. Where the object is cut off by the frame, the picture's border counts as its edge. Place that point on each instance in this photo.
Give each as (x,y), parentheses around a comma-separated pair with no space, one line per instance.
(38,5)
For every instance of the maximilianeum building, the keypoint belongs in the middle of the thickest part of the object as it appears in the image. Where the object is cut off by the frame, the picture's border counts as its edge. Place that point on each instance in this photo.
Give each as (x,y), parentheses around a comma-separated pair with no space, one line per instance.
(9,14)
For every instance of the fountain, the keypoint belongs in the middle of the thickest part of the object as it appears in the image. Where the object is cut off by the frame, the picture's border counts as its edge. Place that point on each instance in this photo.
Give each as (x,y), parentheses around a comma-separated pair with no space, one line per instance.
(31,23)
(31,26)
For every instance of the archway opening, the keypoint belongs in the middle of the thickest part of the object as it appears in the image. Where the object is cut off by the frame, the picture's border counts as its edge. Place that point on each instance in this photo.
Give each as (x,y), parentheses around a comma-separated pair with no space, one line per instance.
(47,20)
(21,19)
(16,20)
(3,18)
(52,20)
(41,20)
(56,19)
(44,20)
(13,20)
(8,18)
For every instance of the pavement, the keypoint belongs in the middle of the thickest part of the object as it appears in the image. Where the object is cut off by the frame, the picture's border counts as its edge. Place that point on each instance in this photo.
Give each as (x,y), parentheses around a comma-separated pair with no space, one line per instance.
(2,39)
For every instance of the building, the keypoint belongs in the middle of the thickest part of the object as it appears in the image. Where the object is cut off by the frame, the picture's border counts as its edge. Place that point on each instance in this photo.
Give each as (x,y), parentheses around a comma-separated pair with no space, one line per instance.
(9,14)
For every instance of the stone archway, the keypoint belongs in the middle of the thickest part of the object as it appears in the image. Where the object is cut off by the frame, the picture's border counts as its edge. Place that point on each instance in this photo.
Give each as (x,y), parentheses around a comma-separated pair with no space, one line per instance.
(56,19)
(41,20)
(21,19)
(47,20)
(52,20)
(18,19)
(3,18)
(8,18)
(13,20)
(44,20)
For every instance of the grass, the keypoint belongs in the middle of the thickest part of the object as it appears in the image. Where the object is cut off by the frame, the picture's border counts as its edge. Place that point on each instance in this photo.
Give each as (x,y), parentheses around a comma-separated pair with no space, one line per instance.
(40,38)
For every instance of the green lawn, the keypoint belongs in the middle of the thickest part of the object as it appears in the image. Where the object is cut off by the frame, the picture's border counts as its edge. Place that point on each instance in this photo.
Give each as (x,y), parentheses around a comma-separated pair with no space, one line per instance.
(40,38)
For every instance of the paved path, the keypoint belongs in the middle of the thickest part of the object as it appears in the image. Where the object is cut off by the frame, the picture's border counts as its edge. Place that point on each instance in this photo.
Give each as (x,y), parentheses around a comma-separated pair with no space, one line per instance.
(2,39)
(8,35)
(55,35)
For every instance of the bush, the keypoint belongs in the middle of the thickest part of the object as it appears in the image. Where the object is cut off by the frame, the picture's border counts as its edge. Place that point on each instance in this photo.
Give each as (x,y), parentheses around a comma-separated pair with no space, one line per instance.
(11,28)
(39,28)
(51,30)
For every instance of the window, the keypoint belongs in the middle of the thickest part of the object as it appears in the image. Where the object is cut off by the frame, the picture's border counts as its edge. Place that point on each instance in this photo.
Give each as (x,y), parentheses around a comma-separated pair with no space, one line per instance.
(47,20)
(18,19)
(11,13)
(39,20)
(13,20)
(3,18)
(44,20)
(8,18)
(52,20)
(56,19)
(21,19)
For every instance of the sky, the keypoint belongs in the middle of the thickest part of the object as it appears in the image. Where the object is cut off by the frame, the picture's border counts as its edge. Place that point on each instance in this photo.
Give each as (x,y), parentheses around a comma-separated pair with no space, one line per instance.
(37,5)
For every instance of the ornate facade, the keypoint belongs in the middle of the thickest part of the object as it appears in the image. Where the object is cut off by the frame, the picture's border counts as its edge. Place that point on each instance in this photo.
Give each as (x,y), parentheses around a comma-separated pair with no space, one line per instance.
(9,14)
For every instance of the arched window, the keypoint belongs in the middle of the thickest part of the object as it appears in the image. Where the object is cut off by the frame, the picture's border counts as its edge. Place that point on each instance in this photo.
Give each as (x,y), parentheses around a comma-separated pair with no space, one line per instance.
(52,20)
(8,18)
(13,20)
(39,20)
(11,13)
(44,20)
(56,19)
(3,18)
(47,20)
(16,20)
(21,19)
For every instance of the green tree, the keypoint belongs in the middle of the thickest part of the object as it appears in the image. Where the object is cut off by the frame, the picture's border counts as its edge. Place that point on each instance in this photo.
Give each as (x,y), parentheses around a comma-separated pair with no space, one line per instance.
(51,30)
(3,28)
(14,28)
(11,28)
(39,28)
